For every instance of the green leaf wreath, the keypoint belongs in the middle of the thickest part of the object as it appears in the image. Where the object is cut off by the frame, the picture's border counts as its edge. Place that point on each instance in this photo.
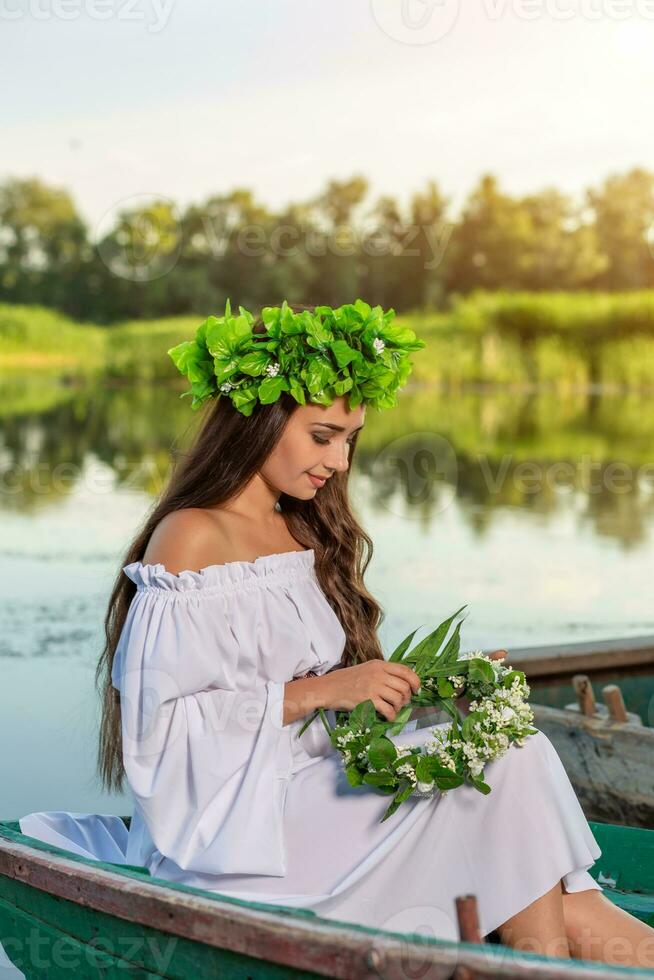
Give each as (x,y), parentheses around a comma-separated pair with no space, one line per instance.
(354,350)
(499,716)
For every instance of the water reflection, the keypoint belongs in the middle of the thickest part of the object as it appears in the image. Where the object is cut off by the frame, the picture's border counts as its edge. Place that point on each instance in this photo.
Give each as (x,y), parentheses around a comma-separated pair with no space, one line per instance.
(491,452)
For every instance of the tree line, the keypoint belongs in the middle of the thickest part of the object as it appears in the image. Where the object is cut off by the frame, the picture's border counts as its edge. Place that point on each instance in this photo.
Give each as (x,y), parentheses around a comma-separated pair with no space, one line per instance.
(149,258)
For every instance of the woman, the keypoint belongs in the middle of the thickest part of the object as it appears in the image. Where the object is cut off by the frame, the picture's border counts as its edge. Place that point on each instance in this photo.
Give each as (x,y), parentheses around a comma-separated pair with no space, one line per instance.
(241,608)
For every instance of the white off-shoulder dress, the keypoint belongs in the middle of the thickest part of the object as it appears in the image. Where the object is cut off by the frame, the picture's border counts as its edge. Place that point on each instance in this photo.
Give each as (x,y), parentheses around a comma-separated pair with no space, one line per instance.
(227,798)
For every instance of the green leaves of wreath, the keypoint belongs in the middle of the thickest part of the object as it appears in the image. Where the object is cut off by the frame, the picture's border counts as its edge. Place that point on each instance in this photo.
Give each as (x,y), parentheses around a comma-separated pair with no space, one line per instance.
(354,350)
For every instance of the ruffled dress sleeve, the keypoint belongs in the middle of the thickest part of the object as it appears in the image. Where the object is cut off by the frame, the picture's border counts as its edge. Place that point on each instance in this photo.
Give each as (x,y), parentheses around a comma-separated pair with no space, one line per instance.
(201,666)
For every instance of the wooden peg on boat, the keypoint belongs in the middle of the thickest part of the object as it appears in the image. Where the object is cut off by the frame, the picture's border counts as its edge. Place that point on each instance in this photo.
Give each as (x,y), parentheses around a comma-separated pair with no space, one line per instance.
(585,694)
(614,701)
(468,918)
(616,707)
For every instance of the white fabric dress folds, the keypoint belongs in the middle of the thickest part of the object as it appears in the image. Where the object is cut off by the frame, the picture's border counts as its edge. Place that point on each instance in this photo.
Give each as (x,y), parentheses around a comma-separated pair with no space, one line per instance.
(227,798)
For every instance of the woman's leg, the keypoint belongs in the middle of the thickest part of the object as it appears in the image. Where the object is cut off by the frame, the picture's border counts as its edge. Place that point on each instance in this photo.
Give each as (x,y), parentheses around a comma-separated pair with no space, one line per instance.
(599,930)
(586,925)
(539,928)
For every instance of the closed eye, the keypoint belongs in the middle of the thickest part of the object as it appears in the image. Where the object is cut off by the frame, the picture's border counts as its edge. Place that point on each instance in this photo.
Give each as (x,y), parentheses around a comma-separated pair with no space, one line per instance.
(325,442)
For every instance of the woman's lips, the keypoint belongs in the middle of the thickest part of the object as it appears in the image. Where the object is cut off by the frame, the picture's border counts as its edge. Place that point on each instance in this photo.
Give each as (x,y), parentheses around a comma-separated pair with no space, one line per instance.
(317,482)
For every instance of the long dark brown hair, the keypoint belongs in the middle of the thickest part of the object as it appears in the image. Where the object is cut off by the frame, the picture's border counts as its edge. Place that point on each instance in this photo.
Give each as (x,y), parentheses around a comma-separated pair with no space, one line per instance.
(228,450)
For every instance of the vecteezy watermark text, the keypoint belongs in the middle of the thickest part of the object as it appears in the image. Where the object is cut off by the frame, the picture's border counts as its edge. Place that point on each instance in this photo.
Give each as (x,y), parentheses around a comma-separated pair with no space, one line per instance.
(419,22)
(155,14)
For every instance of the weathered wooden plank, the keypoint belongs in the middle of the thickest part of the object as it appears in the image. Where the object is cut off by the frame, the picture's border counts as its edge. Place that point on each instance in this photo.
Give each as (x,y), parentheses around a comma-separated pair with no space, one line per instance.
(609,763)
(562,660)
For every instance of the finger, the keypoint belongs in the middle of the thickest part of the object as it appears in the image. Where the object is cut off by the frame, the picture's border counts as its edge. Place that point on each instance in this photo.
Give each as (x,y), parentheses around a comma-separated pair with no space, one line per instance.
(384,708)
(404,671)
(400,685)
(395,697)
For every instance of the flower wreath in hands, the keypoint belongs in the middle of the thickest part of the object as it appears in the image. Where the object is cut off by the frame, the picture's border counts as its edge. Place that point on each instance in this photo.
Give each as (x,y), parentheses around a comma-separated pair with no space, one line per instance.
(499,716)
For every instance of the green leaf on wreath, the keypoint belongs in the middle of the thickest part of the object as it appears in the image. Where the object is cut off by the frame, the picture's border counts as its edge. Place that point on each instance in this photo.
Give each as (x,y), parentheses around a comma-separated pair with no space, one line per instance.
(480,671)
(400,650)
(445,687)
(479,784)
(381,752)
(354,776)
(363,715)
(401,719)
(254,363)
(381,780)
(271,389)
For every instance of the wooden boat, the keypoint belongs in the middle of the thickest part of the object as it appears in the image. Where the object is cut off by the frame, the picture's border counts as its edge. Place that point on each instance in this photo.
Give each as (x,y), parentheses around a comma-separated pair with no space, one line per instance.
(609,761)
(62,915)
(607,751)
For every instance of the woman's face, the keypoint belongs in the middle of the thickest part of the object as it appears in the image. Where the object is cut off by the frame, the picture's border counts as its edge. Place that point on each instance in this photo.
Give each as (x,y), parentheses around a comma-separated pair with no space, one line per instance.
(316,441)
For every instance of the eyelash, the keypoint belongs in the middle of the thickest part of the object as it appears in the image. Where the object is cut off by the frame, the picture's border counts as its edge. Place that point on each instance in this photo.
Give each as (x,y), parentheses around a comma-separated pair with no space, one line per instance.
(324,442)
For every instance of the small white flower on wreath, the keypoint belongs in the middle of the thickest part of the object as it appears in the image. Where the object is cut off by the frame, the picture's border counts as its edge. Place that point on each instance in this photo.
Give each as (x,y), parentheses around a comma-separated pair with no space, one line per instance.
(225,387)
(378,344)
(272,370)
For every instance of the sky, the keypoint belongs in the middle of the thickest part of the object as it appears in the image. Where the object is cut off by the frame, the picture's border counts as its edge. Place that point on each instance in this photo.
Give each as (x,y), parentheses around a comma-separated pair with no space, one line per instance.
(111,99)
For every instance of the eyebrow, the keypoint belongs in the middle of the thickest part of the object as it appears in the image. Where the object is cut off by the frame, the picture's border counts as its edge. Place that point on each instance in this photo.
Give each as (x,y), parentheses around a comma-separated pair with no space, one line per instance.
(337,428)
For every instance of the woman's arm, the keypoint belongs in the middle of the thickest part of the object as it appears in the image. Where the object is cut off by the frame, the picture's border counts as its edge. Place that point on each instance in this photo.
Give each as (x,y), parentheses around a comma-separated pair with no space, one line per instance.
(302,697)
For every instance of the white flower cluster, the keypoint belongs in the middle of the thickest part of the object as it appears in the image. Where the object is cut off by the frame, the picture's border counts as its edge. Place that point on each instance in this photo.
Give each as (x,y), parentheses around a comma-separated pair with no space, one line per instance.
(437,746)
(272,370)
(505,707)
(477,655)
(504,712)
(225,387)
(457,681)
(349,736)
(378,344)
(406,769)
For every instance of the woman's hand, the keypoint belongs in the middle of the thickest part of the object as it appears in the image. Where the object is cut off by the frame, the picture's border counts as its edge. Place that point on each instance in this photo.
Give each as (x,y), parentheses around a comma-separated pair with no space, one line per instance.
(387,684)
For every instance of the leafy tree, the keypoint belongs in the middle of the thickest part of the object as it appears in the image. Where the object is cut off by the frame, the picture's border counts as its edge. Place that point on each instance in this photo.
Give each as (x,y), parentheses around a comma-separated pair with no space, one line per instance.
(623,209)
(337,247)
(153,261)
(43,244)
(491,243)
(564,250)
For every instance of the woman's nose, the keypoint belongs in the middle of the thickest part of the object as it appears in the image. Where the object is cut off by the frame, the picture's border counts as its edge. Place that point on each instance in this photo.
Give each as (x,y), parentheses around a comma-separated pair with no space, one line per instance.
(338,458)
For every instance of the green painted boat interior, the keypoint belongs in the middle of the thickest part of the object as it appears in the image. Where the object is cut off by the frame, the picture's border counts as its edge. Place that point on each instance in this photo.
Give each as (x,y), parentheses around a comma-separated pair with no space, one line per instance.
(637,692)
(47,936)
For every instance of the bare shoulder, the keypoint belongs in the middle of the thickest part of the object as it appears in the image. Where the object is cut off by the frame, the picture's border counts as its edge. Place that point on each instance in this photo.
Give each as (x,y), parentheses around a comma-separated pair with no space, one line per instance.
(188,539)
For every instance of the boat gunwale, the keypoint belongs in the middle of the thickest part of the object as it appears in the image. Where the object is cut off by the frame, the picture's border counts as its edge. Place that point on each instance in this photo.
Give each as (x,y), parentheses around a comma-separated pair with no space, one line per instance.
(561,659)
(327,947)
